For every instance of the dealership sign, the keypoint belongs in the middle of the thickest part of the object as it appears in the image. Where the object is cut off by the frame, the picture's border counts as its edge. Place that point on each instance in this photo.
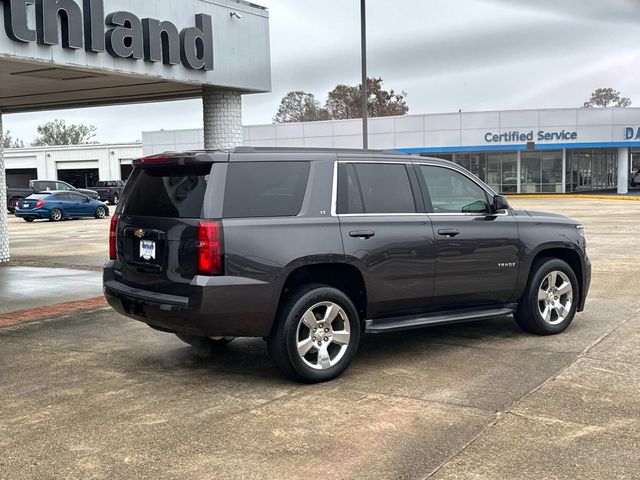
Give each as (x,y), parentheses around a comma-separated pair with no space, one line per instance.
(531,136)
(120,33)
(632,133)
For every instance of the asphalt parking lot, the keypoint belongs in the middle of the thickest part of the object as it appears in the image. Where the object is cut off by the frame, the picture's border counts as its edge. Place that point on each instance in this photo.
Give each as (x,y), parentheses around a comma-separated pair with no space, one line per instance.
(94,395)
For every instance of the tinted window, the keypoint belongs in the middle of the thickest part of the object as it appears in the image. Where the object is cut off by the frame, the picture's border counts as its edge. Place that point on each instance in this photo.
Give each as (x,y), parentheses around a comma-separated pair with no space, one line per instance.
(385,188)
(38,196)
(63,197)
(452,192)
(349,196)
(44,186)
(175,192)
(265,189)
(74,197)
(63,186)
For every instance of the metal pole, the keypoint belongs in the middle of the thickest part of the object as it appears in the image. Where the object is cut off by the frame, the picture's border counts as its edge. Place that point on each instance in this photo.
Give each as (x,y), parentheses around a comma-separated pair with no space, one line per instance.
(365,92)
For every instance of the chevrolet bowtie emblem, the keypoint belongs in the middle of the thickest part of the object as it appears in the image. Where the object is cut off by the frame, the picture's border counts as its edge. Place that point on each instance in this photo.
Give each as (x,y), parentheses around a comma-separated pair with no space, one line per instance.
(139,233)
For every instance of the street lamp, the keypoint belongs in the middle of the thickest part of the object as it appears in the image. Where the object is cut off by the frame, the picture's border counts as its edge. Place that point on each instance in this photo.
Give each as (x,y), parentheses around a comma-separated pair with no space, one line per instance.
(365,92)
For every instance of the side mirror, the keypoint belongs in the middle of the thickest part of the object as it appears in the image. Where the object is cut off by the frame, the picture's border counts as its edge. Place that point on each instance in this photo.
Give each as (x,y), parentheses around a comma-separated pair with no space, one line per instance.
(499,203)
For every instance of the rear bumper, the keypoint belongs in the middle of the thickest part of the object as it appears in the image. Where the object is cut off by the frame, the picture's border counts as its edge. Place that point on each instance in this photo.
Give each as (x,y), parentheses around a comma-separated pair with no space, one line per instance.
(215,306)
(32,213)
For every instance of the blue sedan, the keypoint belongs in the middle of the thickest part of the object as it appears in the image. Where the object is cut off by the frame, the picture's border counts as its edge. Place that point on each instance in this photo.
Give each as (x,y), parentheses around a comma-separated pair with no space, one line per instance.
(57,206)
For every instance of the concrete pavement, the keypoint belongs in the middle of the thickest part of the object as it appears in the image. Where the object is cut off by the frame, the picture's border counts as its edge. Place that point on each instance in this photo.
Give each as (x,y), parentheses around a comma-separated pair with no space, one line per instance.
(95,395)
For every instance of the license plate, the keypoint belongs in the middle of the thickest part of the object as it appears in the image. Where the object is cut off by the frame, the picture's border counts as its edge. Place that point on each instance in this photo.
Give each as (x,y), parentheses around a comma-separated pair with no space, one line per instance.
(25,205)
(147,250)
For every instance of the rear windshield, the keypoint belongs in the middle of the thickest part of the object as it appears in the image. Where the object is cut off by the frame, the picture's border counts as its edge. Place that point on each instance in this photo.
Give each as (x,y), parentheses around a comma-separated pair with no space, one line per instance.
(172,192)
(265,189)
(106,184)
(38,196)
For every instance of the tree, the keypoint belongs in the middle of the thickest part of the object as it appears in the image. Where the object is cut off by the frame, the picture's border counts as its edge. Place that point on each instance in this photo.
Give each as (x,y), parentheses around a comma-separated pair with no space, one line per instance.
(607,97)
(9,142)
(58,132)
(344,101)
(300,106)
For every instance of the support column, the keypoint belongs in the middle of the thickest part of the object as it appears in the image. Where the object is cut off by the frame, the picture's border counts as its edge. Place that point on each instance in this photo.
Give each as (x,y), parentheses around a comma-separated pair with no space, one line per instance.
(623,170)
(222,118)
(519,171)
(4,222)
(564,170)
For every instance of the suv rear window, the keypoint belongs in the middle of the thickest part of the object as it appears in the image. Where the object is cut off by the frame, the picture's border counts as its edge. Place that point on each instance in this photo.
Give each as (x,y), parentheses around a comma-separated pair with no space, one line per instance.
(265,189)
(171,192)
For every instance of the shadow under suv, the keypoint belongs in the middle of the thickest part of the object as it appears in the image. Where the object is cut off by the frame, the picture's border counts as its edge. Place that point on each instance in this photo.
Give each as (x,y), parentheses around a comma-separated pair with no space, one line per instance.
(311,249)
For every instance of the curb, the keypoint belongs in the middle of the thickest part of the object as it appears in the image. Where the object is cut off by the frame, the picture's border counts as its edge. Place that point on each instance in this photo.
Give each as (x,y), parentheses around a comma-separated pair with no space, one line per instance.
(585,197)
(48,311)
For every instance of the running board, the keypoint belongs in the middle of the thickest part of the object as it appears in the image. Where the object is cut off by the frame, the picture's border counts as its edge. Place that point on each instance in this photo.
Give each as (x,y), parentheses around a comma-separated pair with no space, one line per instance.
(394,324)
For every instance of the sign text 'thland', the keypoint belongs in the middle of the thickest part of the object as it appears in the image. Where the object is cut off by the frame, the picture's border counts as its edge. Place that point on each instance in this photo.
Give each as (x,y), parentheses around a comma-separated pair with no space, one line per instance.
(122,34)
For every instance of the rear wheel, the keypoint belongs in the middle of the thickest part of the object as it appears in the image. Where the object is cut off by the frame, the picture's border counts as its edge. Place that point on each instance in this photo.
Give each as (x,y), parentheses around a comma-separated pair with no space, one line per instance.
(101,212)
(11,205)
(116,199)
(316,335)
(55,215)
(550,301)
(204,343)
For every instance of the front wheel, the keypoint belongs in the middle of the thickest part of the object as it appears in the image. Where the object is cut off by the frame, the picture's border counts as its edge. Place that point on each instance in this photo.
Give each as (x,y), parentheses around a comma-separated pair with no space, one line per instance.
(316,335)
(101,213)
(550,301)
(55,215)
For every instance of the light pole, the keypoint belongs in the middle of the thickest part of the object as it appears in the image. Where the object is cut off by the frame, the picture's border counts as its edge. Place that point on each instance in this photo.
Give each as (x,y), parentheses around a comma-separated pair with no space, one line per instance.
(365,92)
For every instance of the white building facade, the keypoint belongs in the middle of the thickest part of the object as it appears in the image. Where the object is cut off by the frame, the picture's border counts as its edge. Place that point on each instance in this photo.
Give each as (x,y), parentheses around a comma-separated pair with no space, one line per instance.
(523,151)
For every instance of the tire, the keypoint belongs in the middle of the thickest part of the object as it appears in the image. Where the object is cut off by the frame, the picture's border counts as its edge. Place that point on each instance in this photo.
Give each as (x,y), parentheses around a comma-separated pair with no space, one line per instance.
(204,343)
(55,215)
(11,205)
(100,213)
(293,331)
(28,220)
(115,199)
(542,297)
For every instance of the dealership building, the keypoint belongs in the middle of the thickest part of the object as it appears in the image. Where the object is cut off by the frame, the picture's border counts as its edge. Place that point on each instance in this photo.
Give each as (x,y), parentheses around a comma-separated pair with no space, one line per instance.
(524,151)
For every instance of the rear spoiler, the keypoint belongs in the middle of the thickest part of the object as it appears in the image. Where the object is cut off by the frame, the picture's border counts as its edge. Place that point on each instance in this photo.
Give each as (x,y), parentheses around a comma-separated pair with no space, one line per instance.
(179,159)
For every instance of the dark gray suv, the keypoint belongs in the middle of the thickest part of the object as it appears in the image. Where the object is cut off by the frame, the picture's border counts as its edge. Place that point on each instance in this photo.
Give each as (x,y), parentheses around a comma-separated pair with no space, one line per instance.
(311,249)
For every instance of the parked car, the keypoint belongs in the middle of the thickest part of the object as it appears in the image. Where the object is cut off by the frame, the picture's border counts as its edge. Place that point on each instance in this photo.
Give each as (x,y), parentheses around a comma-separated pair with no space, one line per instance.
(635,179)
(110,191)
(311,249)
(56,206)
(14,195)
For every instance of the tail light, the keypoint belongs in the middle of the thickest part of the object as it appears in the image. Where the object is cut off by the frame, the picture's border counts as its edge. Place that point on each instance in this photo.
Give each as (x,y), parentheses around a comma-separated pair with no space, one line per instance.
(109,192)
(40,203)
(209,248)
(113,231)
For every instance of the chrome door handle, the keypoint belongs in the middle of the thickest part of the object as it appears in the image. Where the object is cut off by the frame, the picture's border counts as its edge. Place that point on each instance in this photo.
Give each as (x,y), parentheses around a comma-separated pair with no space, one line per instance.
(449,232)
(362,234)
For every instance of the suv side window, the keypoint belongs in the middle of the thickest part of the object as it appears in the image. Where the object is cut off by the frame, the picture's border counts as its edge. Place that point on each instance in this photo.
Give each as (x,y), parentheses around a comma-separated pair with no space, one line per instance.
(265,189)
(349,195)
(452,192)
(385,188)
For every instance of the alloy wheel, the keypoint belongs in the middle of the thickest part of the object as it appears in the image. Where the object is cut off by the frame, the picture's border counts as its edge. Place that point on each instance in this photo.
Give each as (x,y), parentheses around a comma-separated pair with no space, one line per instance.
(322,336)
(555,297)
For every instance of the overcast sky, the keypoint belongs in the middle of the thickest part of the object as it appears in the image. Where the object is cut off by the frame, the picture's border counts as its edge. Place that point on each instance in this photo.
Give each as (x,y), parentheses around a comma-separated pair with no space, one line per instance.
(447,55)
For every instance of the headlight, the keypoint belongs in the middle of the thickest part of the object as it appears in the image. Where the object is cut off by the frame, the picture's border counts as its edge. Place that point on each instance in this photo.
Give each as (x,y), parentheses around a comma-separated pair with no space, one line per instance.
(580,230)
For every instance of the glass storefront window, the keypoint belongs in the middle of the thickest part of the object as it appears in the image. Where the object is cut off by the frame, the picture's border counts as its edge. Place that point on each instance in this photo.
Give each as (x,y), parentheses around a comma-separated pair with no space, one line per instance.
(551,172)
(531,172)
(509,173)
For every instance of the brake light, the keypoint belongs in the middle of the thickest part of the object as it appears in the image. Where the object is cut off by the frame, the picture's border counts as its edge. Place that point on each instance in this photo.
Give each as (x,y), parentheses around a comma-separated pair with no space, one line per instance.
(154,159)
(113,235)
(209,248)
(40,203)
(109,192)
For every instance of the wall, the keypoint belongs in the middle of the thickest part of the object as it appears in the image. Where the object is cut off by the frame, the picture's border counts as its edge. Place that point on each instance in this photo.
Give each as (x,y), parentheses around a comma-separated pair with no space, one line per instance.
(46,160)
(433,132)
